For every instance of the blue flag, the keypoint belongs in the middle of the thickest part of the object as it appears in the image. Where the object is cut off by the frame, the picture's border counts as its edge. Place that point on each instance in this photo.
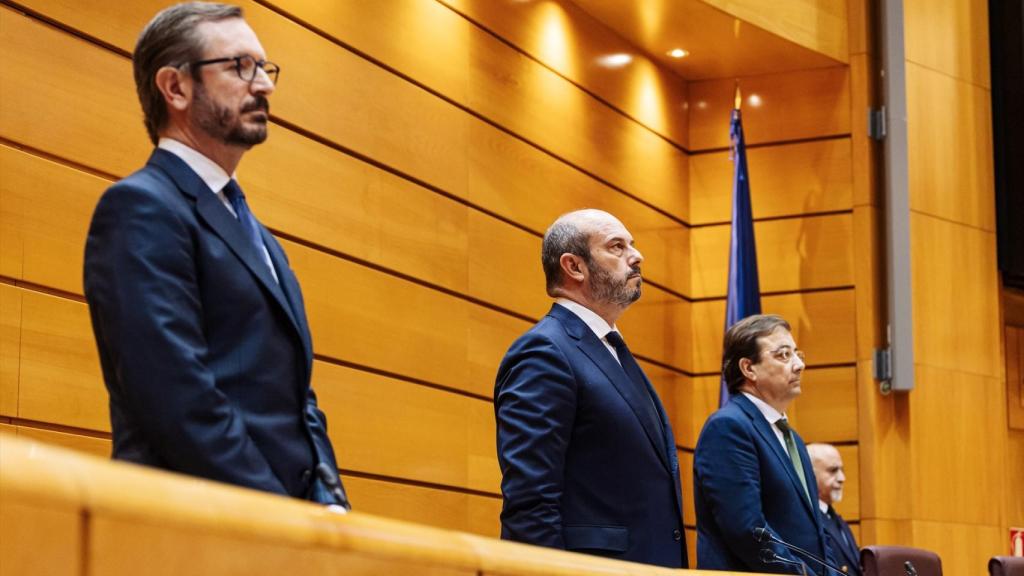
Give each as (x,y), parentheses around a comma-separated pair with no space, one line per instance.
(744,297)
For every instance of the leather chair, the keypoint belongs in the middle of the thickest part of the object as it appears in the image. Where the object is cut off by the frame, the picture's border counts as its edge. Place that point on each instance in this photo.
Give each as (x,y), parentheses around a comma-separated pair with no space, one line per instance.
(1006,566)
(899,561)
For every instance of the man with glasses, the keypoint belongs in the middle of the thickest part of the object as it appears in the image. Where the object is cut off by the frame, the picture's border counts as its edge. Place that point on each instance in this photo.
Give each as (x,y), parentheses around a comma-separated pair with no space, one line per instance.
(753,480)
(198,318)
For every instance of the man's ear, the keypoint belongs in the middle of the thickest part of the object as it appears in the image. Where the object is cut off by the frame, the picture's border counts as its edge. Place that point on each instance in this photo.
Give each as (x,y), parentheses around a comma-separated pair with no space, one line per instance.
(176,87)
(573,267)
(747,368)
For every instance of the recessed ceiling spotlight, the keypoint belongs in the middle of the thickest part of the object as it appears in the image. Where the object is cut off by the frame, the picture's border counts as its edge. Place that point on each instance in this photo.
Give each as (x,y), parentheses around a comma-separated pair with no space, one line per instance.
(615,60)
(678,53)
(754,100)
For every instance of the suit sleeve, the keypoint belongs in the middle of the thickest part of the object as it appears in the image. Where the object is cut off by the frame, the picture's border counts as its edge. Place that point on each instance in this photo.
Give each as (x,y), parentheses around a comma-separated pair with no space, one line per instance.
(727,469)
(535,406)
(141,285)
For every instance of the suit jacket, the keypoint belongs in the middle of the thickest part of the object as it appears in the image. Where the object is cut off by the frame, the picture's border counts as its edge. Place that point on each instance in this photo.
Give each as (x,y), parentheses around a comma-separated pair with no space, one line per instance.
(744,479)
(840,538)
(588,461)
(206,358)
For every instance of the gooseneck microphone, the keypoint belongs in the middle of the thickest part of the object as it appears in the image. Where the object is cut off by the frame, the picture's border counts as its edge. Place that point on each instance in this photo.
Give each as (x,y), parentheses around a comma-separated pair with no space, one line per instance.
(909,568)
(333,483)
(768,556)
(763,535)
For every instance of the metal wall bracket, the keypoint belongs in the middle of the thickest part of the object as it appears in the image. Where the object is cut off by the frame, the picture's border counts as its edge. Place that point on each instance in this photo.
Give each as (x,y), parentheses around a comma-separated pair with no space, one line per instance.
(881,369)
(876,123)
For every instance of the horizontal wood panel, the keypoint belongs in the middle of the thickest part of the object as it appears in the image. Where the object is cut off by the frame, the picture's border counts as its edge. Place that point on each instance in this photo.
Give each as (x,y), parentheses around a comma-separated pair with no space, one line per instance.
(499,84)
(375,215)
(389,427)
(826,410)
(955,183)
(99,447)
(956,296)
(792,254)
(10,348)
(820,25)
(40,538)
(822,322)
(60,380)
(429,506)
(567,39)
(794,106)
(785,180)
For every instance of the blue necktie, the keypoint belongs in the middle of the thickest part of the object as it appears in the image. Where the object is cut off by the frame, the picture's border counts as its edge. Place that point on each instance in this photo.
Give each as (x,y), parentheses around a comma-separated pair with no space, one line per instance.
(633,372)
(237,198)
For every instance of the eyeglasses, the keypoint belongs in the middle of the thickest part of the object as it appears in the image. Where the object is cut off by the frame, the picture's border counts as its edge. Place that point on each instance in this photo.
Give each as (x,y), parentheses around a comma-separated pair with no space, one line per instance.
(786,354)
(245,66)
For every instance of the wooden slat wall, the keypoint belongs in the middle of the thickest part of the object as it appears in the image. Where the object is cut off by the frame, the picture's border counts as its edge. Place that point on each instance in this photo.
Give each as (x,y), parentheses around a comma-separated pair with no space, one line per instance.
(418,151)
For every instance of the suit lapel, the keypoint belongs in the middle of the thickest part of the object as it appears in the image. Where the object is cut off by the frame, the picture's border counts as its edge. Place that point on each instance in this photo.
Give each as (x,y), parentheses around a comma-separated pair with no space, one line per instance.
(226,226)
(292,292)
(592,347)
(768,435)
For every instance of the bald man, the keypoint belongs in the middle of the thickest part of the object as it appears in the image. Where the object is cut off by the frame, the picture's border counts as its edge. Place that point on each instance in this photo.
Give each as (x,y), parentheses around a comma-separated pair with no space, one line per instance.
(588,459)
(828,470)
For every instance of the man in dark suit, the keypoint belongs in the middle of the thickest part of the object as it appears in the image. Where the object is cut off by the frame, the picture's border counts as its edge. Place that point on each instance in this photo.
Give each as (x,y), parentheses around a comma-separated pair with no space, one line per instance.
(198,318)
(587,455)
(828,471)
(751,470)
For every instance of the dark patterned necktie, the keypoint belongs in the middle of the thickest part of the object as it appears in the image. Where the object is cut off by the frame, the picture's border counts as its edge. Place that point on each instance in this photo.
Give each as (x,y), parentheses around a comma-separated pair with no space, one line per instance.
(794,454)
(633,371)
(234,194)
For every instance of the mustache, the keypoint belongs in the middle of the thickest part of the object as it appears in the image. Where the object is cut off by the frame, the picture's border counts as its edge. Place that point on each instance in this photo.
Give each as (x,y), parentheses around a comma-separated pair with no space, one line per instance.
(635,272)
(258,103)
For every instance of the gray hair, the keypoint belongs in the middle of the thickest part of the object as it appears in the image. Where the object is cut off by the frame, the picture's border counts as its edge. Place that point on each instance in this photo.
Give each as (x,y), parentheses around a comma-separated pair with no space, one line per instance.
(170,39)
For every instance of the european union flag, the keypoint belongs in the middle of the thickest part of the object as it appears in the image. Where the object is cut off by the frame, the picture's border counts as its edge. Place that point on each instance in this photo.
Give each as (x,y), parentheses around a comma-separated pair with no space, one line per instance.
(744,296)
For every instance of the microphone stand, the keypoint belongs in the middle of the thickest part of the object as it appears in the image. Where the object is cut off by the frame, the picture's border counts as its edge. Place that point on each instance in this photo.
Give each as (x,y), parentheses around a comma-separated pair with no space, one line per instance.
(768,556)
(763,535)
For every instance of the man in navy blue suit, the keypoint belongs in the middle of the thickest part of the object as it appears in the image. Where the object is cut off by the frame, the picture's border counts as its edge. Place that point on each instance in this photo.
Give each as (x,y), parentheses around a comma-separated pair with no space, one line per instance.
(751,469)
(587,455)
(198,318)
(828,470)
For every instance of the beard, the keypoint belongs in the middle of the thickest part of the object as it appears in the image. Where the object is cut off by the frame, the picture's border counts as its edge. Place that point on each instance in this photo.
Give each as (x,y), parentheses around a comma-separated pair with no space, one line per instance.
(837,495)
(225,125)
(607,288)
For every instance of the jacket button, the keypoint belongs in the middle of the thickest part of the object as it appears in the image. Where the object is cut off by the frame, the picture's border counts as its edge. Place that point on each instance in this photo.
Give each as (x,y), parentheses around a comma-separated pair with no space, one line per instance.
(306,475)
(677,535)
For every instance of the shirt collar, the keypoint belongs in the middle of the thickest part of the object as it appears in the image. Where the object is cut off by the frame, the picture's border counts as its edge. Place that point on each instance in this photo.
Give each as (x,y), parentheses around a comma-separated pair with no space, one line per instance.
(213,175)
(823,506)
(770,414)
(589,317)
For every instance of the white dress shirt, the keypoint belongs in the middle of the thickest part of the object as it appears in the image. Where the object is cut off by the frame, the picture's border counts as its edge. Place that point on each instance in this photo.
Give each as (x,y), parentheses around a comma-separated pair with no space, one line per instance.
(595,322)
(772,416)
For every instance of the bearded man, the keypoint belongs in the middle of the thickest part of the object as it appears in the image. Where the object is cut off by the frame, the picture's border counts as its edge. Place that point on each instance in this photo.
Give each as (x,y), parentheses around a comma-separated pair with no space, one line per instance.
(198,318)
(587,455)
(830,476)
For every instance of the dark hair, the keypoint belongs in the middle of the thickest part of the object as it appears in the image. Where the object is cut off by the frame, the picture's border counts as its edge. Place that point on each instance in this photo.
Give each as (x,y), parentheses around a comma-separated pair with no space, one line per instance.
(741,342)
(564,236)
(170,39)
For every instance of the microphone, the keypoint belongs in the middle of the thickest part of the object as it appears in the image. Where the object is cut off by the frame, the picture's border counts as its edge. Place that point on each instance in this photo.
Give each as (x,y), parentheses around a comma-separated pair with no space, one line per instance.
(911,571)
(768,556)
(333,483)
(763,535)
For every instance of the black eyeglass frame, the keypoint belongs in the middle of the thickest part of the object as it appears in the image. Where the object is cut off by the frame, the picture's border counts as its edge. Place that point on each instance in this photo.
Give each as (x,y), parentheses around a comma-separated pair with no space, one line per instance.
(272,73)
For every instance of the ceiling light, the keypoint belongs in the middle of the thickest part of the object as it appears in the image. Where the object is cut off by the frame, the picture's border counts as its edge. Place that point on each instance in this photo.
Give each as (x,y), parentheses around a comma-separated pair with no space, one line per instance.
(678,53)
(754,100)
(615,60)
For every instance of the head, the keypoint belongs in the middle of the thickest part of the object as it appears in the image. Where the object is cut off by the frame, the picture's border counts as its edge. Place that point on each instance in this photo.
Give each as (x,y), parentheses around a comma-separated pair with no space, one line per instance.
(828,470)
(589,256)
(760,357)
(211,101)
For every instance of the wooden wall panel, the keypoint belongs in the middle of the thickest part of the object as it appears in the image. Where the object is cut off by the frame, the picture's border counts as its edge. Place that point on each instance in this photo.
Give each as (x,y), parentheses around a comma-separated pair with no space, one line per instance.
(942,111)
(1014,347)
(424,505)
(954,448)
(60,379)
(10,348)
(44,233)
(945,36)
(786,180)
(96,446)
(820,25)
(430,435)
(655,328)
(792,254)
(40,538)
(568,40)
(822,322)
(826,410)
(45,65)
(794,106)
(953,272)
